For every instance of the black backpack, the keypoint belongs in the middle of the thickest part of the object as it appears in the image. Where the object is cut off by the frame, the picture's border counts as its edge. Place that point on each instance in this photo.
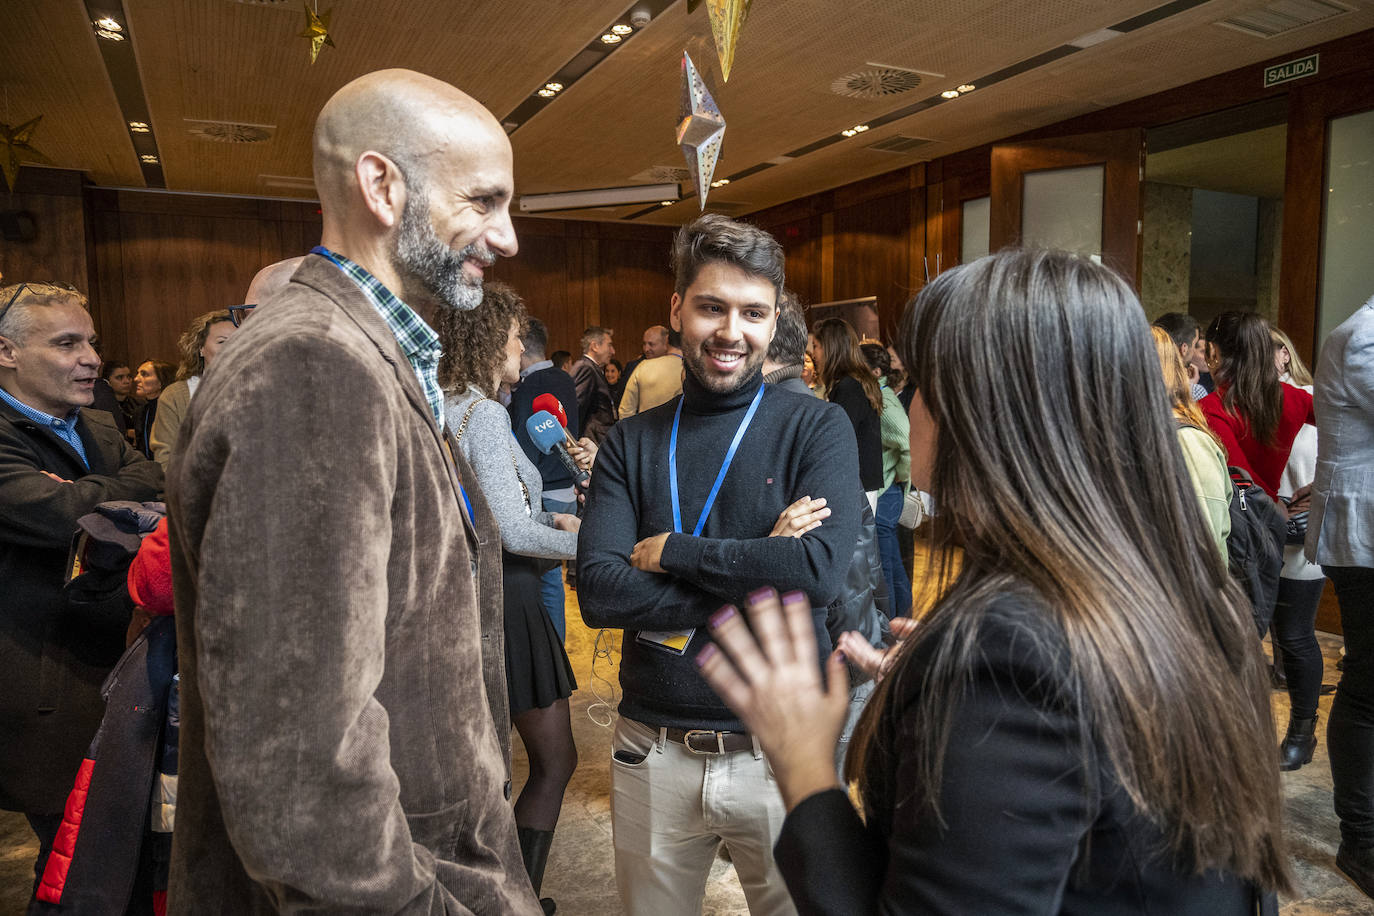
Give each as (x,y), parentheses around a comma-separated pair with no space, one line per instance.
(1255,545)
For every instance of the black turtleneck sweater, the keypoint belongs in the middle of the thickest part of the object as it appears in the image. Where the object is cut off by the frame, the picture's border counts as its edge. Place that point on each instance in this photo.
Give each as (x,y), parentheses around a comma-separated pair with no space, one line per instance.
(796,446)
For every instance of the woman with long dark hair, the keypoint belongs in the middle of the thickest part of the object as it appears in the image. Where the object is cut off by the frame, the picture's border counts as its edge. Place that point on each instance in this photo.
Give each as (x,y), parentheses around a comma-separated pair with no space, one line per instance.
(481,352)
(1081,724)
(848,382)
(1255,416)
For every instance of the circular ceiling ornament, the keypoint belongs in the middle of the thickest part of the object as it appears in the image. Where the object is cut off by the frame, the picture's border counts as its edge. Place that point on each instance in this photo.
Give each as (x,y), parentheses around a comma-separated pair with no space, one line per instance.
(875,83)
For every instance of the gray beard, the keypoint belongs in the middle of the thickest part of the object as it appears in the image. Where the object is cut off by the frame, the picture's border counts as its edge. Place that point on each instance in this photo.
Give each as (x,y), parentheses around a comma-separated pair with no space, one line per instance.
(425,261)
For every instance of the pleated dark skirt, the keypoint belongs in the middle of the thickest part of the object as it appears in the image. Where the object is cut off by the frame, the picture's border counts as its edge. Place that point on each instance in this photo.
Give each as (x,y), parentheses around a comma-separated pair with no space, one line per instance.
(538,672)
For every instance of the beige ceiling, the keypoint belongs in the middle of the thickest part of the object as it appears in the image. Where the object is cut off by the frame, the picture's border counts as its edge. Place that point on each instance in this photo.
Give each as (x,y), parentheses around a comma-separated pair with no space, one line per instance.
(228,60)
(1249,163)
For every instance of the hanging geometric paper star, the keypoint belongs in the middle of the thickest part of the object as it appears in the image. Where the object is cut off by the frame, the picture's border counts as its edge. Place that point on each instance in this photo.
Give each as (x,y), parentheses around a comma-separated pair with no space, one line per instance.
(317,30)
(15,148)
(727,18)
(701,129)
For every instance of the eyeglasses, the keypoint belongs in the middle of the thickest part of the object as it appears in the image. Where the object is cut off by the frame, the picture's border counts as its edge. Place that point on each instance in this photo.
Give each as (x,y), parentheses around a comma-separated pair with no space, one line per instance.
(33,287)
(238,314)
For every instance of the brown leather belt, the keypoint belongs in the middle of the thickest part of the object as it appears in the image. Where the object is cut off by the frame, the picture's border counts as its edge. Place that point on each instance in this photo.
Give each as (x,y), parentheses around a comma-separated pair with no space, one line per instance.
(705,741)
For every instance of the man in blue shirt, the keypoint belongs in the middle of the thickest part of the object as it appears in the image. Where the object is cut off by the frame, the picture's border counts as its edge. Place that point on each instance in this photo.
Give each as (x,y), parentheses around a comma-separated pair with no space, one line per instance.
(56,463)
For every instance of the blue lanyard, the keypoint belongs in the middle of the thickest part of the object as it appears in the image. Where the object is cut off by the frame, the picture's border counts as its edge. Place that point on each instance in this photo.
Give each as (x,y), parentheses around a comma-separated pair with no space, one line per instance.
(720,478)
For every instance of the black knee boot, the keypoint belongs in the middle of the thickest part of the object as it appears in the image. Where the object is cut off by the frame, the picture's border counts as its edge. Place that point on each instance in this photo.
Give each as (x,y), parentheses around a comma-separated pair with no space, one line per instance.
(534,849)
(1299,744)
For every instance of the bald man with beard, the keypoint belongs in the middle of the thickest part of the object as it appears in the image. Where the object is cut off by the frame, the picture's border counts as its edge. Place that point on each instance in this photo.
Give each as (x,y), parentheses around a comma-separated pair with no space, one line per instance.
(344,733)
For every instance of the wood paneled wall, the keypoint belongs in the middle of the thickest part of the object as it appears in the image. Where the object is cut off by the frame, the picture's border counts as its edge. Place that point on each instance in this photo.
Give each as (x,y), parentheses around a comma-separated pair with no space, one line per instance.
(153,261)
(58,251)
(863,239)
(574,274)
(161,259)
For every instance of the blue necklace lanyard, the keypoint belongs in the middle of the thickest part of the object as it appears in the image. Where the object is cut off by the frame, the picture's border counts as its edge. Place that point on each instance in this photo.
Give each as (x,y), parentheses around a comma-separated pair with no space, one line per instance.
(724,468)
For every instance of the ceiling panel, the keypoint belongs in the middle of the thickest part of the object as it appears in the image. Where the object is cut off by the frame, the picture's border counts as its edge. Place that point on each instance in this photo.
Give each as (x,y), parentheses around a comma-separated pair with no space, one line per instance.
(221,60)
(50,66)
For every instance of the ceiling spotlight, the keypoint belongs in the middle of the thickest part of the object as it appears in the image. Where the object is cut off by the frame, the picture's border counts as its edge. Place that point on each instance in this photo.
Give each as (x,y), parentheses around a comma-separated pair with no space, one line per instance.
(149,159)
(666,203)
(610,38)
(852,131)
(139,127)
(621,28)
(950,94)
(109,24)
(546,93)
(554,87)
(720,182)
(967,87)
(108,35)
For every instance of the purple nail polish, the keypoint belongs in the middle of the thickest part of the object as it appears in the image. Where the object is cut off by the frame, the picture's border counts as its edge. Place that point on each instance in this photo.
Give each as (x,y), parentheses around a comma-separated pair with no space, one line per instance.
(794,598)
(708,652)
(722,615)
(761,594)
(840,655)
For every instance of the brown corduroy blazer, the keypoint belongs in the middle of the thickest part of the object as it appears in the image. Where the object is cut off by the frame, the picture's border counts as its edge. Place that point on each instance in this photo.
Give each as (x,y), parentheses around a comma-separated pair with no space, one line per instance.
(344,734)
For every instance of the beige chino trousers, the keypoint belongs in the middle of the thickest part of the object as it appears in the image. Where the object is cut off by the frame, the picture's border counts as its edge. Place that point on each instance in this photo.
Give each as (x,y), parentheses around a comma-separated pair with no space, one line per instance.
(669,813)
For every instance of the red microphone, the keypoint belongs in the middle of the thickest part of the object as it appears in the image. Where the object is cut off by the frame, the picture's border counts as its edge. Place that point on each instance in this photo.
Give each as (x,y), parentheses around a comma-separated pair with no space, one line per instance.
(550,403)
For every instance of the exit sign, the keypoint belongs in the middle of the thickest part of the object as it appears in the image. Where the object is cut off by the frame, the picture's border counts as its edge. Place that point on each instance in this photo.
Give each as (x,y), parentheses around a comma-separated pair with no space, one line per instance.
(1293,70)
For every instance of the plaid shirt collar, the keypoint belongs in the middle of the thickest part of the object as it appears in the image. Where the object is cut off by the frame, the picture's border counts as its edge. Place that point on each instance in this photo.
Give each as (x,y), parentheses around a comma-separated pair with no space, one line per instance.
(417,339)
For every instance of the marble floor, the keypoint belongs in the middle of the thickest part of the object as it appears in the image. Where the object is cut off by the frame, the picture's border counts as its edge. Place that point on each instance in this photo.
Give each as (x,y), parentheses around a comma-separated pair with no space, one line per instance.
(581,875)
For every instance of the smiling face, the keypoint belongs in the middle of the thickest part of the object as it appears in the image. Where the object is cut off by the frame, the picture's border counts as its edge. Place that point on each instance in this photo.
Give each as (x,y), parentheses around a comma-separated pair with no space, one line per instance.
(727,318)
(612,374)
(215,336)
(146,383)
(55,368)
(456,221)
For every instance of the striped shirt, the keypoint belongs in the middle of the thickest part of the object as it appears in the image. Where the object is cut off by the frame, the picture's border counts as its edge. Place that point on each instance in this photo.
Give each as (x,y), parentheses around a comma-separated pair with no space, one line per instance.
(63,429)
(417,339)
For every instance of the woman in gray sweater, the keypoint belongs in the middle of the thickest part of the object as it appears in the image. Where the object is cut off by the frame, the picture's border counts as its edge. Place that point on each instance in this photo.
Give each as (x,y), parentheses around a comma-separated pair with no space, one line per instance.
(481,352)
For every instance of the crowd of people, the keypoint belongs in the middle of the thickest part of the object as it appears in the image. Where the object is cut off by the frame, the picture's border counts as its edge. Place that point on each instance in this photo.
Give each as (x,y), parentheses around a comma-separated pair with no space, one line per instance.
(1116,516)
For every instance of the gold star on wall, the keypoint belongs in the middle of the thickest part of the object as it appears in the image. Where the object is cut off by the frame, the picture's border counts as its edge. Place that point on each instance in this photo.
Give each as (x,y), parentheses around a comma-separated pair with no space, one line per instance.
(317,30)
(15,148)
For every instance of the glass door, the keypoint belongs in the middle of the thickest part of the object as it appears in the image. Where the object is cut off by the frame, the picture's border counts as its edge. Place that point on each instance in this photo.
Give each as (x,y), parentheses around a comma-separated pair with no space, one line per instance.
(1079,193)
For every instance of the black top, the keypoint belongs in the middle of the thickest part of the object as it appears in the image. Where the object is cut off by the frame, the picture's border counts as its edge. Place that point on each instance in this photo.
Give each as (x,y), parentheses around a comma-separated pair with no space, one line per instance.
(796,446)
(554,381)
(143,427)
(1029,828)
(849,394)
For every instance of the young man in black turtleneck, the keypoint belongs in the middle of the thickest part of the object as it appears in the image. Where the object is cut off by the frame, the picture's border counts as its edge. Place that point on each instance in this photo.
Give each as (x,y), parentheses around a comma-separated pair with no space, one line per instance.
(683,500)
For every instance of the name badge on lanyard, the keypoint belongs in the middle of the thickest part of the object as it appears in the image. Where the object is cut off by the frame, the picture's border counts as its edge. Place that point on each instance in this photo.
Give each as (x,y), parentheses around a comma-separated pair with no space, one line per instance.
(676,641)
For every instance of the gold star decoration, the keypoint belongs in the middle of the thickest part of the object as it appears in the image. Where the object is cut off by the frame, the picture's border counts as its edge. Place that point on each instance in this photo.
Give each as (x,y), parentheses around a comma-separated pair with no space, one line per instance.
(15,147)
(317,30)
(727,18)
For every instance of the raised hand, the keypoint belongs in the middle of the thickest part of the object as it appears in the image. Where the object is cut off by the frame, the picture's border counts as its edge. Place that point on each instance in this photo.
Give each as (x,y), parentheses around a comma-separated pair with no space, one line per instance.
(772,681)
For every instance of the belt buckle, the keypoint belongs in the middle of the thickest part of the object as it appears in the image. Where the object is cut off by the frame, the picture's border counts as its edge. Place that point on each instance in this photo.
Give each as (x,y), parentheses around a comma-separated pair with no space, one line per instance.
(692,733)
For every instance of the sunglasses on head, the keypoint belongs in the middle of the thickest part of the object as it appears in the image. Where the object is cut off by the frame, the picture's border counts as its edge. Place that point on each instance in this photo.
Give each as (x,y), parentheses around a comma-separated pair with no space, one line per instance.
(33,287)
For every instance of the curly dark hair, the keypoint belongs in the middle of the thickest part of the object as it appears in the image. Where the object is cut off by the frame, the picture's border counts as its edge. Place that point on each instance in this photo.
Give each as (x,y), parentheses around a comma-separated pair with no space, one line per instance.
(474,340)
